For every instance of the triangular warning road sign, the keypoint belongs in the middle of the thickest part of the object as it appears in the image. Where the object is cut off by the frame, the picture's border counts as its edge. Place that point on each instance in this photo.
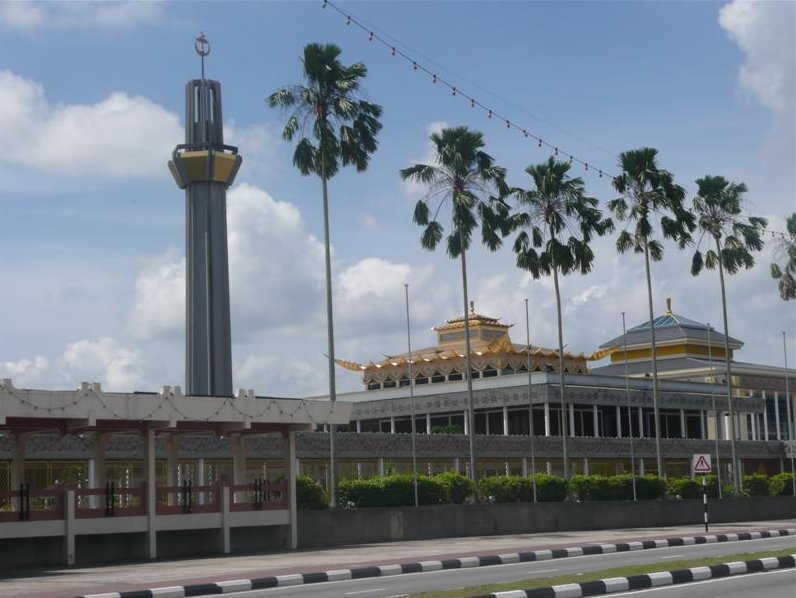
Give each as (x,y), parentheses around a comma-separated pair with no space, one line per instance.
(702,465)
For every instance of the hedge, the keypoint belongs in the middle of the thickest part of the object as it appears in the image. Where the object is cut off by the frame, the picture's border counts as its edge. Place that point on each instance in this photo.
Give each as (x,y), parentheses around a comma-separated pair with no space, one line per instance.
(781,484)
(549,488)
(398,490)
(755,485)
(310,494)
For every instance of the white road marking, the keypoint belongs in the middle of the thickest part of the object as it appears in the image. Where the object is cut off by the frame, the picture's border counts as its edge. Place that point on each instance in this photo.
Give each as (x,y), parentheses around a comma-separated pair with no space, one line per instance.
(673,556)
(365,591)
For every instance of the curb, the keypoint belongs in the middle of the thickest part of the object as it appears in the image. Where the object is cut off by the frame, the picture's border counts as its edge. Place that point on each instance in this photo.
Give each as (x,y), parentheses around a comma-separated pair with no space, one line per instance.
(650,580)
(278,581)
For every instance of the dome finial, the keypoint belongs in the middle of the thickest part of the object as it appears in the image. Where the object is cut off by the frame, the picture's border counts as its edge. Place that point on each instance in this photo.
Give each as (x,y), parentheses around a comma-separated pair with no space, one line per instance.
(472,307)
(668,306)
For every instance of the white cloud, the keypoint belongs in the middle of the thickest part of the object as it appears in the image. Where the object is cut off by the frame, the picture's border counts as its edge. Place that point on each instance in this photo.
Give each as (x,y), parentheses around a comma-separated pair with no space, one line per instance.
(159,306)
(276,272)
(263,372)
(765,33)
(26,372)
(103,360)
(257,144)
(29,15)
(413,188)
(120,137)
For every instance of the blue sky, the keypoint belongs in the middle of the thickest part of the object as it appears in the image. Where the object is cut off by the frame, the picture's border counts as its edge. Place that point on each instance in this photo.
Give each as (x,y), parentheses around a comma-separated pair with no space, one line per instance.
(92,224)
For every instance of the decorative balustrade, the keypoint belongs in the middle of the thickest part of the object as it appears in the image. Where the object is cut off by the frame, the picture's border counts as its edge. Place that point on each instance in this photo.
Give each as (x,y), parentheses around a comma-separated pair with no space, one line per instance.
(32,505)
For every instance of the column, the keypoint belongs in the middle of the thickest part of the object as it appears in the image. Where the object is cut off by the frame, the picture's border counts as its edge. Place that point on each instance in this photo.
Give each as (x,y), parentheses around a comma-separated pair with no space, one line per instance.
(467,423)
(381,466)
(359,426)
(585,466)
(456,464)
(703,416)
(596,420)
(777,435)
(392,424)
(547,419)
(682,424)
(641,422)
(525,467)
(238,461)
(149,476)
(618,421)
(754,425)
(505,420)
(428,423)
(291,466)
(641,470)
(200,478)
(765,417)
(571,419)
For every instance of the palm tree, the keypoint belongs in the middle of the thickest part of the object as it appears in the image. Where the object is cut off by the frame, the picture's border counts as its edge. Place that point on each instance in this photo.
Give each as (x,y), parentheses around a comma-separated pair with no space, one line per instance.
(558,221)
(341,130)
(464,177)
(649,195)
(718,207)
(785,275)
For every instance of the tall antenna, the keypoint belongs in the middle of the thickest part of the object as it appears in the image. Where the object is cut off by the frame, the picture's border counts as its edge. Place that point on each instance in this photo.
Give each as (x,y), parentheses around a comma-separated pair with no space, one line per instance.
(202,47)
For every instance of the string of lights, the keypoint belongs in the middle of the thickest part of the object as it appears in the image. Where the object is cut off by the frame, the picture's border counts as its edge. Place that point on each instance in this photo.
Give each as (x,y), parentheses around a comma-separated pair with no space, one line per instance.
(270,404)
(456,91)
(476,103)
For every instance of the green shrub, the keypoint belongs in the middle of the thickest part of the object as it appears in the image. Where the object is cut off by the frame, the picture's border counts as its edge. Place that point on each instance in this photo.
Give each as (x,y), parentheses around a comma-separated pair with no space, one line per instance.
(650,487)
(755,485)
(457,487)
(447,429)
(392,491)
(600,487)
(506,489)
(310,494)
(550,488)
(685,487)
(781,484)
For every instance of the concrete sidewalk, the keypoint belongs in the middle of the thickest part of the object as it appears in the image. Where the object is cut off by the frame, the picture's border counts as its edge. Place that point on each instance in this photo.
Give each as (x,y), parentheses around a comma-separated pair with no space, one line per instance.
(59,582)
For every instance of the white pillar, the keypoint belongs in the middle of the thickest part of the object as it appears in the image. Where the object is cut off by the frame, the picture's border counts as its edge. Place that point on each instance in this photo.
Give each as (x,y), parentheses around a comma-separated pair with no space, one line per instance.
(778,435)
(571,419)
(585,466)
(547,419)
(381,466)
(525,467)
(505,421)
(151,492)
(359,426)
(765,417)
(467,422)
(641,470)
(428,423)
(682,423)
(456,464)
(392,424)
(596,420)
(618,421)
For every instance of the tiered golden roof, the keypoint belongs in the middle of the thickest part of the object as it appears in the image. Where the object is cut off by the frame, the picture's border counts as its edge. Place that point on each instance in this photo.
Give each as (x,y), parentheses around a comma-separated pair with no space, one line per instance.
(492,353)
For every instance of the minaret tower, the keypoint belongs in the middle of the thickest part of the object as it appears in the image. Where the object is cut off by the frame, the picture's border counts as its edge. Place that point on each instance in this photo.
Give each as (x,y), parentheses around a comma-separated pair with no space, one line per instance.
(205,167)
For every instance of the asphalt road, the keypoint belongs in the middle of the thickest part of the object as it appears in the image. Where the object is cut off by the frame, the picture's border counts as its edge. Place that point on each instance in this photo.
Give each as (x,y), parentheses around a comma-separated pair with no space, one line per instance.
(771,584)
(414,583)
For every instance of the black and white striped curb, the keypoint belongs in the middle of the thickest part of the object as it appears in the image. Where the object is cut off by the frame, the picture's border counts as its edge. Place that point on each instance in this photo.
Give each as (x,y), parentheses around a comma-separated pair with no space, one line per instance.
(278,581)
(650,580)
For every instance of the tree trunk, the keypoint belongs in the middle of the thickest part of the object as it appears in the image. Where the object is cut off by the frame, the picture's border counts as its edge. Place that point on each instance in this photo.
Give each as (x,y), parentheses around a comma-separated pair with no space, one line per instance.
(736,469)
(655,411)
(330,336)
(469,361)
(561,389)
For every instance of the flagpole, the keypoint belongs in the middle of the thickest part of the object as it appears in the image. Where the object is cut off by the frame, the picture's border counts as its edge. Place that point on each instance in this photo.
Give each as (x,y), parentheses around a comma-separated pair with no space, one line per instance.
(629,413)
(411,393)
(716,413)
(530,397)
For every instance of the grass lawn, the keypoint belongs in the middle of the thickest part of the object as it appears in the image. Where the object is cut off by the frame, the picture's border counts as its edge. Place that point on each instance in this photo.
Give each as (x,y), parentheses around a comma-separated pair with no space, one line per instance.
(540,582)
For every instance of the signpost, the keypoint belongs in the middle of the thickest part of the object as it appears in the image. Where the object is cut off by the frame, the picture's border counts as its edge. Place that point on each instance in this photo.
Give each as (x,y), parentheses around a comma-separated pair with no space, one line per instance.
(700,464)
